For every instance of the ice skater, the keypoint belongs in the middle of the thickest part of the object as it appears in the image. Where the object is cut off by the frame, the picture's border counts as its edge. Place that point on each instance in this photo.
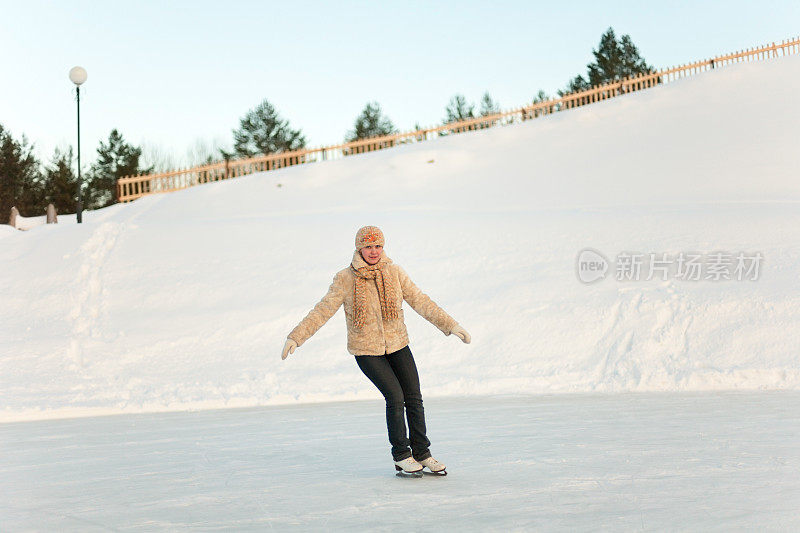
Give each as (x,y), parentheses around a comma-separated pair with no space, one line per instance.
(372,290)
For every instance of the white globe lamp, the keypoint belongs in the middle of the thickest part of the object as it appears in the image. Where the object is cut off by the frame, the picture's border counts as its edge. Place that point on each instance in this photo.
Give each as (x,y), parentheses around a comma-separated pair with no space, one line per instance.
(77,75)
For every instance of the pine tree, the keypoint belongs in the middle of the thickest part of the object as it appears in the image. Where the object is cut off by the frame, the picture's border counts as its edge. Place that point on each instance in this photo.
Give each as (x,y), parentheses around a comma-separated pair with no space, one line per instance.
(540,97)
(114,161)
(632,62)
(607,64)
(60,182)
(20,178)
(371,123)
(458,109)
(614,59)
(263,131)
(576,84)
(489,106)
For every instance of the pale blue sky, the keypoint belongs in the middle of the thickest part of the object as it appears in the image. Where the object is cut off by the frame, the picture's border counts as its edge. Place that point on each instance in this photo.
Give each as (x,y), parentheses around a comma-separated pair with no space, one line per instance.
(168,73)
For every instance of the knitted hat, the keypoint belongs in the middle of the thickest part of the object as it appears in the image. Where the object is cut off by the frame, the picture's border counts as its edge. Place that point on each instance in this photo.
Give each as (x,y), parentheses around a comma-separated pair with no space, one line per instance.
(369,235)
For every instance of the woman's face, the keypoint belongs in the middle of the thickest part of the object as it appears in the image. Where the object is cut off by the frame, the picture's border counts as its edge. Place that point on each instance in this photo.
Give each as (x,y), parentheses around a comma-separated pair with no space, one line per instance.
(371,253)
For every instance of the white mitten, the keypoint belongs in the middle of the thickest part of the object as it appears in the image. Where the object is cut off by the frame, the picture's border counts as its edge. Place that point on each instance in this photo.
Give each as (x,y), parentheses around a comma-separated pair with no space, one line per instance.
(288,348)
(461,333)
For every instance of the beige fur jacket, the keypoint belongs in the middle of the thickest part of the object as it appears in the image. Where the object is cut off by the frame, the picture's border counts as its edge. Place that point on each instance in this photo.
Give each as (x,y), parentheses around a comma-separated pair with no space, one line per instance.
(378,336)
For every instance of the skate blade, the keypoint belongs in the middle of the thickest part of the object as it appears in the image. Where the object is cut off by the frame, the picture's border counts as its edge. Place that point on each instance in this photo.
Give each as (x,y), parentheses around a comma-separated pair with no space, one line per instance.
(438,474)
(402,473)
(409,474)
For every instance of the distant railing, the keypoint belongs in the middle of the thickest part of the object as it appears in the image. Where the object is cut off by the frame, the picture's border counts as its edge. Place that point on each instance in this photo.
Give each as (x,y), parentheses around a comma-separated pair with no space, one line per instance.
(132,187)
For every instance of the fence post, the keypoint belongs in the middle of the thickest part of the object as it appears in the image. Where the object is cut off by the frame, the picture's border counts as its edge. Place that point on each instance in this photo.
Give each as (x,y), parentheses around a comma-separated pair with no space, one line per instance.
(52,216)
(12,221)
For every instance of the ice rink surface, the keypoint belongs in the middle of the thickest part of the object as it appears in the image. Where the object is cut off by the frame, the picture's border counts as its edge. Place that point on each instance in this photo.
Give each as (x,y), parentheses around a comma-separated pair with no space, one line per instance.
(584,462)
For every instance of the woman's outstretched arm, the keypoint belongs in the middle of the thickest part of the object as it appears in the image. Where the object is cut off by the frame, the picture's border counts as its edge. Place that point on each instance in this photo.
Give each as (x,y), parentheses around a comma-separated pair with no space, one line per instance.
(422,304)
(321,313)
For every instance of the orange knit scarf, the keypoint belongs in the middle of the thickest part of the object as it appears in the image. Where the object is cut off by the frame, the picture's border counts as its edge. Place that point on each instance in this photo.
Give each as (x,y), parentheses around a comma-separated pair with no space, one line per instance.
(386,291)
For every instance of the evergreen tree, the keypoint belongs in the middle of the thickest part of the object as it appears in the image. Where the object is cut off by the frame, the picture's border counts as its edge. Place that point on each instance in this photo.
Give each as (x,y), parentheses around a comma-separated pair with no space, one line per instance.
(632,62)
(576,84)
(61,182)
(614,59)
(115,160)
(540,97)
(607,60)
(371,123)
(20,179)
(458,109)
(263,131)
(489,106)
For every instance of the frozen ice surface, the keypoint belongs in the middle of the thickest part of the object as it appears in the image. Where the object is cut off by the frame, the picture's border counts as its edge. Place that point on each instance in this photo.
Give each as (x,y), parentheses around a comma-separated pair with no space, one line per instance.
(716,461)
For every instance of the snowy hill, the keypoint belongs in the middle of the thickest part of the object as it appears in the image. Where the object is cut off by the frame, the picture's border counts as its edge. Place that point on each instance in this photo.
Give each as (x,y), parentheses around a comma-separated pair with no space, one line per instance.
(183,300)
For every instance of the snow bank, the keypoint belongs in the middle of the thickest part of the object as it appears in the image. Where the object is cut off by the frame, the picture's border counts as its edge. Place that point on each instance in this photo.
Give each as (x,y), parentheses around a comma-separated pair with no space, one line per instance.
(184,300)
(7,231)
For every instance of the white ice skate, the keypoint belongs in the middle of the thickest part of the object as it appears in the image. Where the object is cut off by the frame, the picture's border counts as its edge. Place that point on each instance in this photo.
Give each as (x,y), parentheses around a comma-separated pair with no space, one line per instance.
(434,466)
(408,467)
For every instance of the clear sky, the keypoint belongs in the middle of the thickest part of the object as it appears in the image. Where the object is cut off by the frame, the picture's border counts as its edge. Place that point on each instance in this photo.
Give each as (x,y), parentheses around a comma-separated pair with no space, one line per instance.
(169,73)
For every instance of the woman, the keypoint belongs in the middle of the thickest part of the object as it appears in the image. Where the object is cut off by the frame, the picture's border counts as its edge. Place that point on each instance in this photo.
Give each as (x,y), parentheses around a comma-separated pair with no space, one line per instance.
(372,290)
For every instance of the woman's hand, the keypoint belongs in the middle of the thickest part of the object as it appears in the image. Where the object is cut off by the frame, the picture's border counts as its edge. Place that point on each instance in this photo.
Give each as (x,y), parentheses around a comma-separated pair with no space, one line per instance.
(288,348)
(461,333)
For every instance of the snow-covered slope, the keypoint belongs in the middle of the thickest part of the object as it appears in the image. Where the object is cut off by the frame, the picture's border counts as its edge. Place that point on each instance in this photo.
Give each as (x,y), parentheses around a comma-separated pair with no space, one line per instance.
(184,300)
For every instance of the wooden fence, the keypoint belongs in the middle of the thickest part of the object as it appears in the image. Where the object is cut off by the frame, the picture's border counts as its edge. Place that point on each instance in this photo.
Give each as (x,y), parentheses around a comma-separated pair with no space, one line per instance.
(131,187)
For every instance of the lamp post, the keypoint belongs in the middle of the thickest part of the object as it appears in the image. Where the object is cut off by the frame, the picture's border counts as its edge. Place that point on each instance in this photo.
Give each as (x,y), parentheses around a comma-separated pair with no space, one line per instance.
(78,75)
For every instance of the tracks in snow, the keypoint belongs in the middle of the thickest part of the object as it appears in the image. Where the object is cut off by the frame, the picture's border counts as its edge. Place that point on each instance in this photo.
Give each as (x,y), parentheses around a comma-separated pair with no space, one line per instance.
(88,292)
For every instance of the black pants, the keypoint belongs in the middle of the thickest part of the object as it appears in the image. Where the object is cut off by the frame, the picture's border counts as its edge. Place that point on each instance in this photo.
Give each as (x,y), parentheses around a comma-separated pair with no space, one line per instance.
(395,375)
